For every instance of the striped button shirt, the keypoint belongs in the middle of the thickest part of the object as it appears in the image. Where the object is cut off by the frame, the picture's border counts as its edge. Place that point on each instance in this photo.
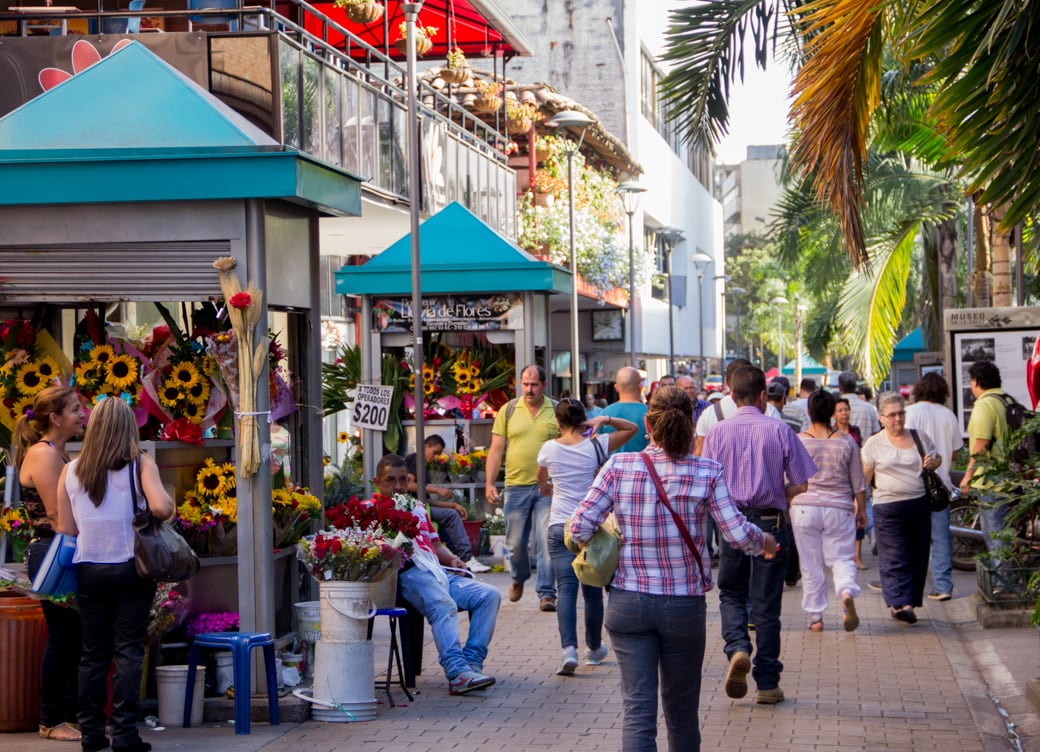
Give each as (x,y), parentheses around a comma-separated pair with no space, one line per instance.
(756,454)
(654,558)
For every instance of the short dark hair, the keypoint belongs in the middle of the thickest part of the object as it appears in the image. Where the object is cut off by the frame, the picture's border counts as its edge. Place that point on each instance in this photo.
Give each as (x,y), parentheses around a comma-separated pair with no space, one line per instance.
(807,385)
(536,368)
(387,461)
(570,412)
(847,382)
(434,440)
(866,392)
(746,384)
(775,391)
(734,365)
(931,388)
(985,373)
(821,406)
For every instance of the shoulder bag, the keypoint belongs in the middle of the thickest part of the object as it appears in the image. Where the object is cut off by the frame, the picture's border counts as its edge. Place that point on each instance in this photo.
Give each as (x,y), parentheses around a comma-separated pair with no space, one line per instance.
(706,576)
(57,574)
(596,563)
(160,552)
(934,489)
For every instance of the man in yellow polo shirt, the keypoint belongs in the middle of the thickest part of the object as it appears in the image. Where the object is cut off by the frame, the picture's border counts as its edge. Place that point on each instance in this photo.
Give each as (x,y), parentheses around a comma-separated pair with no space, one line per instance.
(524,424)
(986,426)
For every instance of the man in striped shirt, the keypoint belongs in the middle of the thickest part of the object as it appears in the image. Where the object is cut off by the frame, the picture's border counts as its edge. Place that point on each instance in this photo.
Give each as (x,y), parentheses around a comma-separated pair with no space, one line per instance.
(765,466)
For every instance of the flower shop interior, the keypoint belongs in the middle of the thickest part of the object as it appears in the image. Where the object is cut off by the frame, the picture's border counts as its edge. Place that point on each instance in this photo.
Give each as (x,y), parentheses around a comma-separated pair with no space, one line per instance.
(144,271)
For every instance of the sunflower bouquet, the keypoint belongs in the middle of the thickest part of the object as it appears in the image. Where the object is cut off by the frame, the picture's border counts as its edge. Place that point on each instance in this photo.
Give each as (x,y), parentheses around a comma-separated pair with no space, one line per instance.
(107,370)
(294,508)
(31,361)
(208,516)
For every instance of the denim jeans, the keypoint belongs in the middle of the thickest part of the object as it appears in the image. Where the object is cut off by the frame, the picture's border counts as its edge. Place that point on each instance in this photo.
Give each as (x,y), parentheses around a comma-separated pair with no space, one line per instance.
(658,637)
(942,552)
(759,583)
(59,671)
(567,604)
(113,604)
(904,530)
(525,511)
(441,605)
(452,531)
(992,519)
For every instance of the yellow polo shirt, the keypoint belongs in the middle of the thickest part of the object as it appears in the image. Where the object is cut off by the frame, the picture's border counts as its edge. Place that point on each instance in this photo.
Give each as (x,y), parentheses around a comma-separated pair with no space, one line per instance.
(524,434)
(987,421)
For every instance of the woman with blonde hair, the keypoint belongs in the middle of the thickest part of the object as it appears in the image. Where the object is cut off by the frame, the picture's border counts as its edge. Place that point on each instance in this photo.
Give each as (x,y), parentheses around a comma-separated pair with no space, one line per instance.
(95,503)
(39,439)
(656,609)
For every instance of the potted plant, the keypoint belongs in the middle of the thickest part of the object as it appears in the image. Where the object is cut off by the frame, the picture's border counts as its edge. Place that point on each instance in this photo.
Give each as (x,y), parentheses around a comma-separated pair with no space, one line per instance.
(456,71)
(361,11)
(547,187)
(489,96)
(423,38)
(521,116)
(437,470)
(460,468)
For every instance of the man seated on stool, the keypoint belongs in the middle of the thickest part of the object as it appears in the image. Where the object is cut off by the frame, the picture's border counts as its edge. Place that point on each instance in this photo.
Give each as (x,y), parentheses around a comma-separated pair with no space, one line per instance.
(444,513)
(439,595)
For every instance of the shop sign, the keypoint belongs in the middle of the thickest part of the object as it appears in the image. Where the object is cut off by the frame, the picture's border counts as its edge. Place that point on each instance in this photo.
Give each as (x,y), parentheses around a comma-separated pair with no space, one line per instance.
(450,313)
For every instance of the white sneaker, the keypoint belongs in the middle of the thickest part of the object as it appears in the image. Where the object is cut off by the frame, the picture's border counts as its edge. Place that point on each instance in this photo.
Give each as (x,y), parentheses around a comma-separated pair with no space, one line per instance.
(570,661)
(597,656)
(476,567)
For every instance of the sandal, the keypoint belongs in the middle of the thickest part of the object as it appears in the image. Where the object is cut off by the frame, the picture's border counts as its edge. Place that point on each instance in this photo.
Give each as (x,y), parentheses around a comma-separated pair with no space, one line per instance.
(851,619)
(63,732)
(904,614)
(816,626)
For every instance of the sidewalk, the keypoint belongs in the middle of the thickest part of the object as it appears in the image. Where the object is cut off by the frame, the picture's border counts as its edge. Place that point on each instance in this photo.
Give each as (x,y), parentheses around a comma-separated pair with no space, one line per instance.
(886,686)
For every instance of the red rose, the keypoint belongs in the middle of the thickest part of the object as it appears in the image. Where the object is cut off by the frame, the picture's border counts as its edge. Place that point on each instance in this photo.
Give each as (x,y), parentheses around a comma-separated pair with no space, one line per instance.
(184,430)
(240,300)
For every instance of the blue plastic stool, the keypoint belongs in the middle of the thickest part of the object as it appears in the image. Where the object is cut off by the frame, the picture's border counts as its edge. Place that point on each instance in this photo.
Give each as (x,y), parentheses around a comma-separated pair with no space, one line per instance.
(395,653)
(240,644)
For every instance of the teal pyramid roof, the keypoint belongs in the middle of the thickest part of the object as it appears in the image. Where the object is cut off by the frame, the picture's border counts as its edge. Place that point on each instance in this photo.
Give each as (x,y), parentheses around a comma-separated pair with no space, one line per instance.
(130,99)
(460,254)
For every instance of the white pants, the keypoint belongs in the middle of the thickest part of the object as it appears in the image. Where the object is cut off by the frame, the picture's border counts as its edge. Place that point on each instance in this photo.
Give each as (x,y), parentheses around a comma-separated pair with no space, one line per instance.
(826,536)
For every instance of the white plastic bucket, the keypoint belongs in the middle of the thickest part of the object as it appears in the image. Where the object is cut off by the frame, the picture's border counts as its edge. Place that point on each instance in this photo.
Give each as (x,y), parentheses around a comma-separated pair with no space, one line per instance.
(346,608)
(225,671)
(172,683)
(344,677)
(308,620)
(384,591)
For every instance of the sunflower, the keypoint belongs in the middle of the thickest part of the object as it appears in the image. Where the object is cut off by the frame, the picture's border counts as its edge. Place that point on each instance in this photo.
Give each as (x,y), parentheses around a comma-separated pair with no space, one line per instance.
(211,481)
(18,408)
(185,374)
(428,373)
(48,369)
(198,393)
(122,371)
(102,354)
(170,394)
(194,413)
(209,366)
(28,379)
(429,388)
(343,437)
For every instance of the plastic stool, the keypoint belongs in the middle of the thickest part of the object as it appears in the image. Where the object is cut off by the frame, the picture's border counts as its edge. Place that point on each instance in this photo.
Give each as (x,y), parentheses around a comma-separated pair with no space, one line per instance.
(240,644)
(395,654)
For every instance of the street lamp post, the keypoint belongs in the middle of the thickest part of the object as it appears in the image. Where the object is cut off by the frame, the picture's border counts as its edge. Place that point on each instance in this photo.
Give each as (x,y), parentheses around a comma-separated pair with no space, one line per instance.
(572,119)
(723,278)
(799,322)
(671,236)
(700,261)
(630,193)
(739,292)
(779,300)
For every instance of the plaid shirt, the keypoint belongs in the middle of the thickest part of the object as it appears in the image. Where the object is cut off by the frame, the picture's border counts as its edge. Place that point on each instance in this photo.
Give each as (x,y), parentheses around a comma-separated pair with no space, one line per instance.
(654,557)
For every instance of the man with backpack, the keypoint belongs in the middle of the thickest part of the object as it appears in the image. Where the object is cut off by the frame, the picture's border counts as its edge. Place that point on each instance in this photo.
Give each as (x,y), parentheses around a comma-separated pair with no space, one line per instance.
(986,426)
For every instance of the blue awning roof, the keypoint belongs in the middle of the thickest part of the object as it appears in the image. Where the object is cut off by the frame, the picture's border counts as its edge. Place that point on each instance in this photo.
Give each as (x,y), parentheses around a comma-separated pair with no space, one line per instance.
(132,128)
(908,345)
(460,254)
(809,367)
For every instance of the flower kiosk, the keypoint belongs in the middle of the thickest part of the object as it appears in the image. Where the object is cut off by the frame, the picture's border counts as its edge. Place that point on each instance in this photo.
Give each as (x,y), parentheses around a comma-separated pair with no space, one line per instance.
(483,297)
(123,214)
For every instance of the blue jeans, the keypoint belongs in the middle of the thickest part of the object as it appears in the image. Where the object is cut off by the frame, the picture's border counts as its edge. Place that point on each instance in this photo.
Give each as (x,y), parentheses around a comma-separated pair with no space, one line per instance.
(658,636)
(992,519)
(526,510)
(903,530)
(759,583)
(441,605)
(567,605)
(113,606)
(452,531)
(942,552)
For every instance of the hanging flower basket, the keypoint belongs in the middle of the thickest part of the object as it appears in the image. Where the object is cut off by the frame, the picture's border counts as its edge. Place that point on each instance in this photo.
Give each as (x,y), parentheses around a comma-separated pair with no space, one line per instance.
(544,199)
(541,153)
(456,76)
(516,126)
(487,105)
(364,13)
(422,45)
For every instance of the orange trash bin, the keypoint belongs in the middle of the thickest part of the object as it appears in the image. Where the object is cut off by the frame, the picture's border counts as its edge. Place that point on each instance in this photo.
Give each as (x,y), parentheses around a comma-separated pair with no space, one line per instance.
(23,635)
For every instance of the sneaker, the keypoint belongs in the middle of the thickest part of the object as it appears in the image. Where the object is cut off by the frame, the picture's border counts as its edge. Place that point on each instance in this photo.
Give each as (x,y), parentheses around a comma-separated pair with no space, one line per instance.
(597,656)
(769,696)
(736,675)
(467,681)
(516,591)
(875,586)
(939,596)
(570,661)
(476,567)
(905,614)
(548,603)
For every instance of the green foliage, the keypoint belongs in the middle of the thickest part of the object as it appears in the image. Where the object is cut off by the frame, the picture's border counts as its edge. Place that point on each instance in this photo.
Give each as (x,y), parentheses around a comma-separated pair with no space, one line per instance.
(339,381)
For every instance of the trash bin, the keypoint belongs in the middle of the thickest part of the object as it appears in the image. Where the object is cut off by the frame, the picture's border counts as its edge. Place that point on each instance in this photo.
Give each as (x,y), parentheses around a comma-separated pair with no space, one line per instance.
(23,635)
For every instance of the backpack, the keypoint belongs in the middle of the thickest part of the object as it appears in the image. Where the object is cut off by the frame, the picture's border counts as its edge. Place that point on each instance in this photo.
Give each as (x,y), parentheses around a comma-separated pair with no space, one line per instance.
(511,407)
(1017,416)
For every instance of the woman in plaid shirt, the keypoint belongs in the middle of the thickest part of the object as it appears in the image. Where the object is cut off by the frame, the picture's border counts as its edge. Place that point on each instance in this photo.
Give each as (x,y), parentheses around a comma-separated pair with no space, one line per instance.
(656,610)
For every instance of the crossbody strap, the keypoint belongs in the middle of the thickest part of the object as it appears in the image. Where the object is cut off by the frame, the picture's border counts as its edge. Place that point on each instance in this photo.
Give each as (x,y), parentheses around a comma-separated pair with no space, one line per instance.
(601,456)
(920,448)
(664,500)
(132,467)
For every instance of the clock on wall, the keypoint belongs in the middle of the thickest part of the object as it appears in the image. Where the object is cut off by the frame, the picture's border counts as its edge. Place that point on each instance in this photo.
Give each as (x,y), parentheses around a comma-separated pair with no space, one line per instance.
(607,325)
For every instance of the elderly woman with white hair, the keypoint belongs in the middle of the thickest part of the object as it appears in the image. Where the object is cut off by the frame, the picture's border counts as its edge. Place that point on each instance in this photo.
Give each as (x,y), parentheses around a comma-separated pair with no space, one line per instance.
(902,517)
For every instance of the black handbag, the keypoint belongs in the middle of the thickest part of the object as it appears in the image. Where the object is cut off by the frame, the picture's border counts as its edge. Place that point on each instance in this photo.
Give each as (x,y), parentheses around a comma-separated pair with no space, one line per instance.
(934,489)
(160,552)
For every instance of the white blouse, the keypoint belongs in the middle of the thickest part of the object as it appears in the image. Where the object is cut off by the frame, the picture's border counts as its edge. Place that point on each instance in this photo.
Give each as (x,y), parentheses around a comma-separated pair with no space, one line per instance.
(897,472)
(106,532)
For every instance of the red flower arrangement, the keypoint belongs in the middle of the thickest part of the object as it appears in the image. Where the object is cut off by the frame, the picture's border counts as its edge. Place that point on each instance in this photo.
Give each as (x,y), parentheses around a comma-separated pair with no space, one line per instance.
(380,514)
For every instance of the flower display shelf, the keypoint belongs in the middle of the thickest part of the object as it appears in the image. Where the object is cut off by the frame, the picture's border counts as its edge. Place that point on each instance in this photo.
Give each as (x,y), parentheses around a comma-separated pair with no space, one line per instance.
(364,13)
(1007,586)
(486,105)
(456,76)
(422,45)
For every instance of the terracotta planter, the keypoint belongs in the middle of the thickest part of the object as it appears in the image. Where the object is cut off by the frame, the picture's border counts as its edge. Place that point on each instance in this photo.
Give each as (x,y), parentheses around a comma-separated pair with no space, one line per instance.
(422,46)
(364,13)
(456,76)
(21,650)
(541,155)
(487,105)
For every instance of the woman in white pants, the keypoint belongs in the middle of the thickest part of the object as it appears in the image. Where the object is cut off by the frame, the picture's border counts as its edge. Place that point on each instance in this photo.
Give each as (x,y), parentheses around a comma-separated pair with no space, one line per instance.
(824,518)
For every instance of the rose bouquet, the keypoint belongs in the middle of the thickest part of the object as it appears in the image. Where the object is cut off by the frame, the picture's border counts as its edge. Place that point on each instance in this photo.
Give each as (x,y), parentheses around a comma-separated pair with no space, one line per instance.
(350,555)
(391,517)
(167,612)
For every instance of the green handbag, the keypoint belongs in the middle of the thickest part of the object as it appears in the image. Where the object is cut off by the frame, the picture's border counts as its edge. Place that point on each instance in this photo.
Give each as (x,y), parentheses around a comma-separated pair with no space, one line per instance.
(595,564)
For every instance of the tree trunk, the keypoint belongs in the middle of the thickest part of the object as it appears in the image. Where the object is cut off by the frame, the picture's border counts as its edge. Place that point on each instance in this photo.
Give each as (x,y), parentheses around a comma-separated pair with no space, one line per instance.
(947,287)
(1001,250)
(980,274)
